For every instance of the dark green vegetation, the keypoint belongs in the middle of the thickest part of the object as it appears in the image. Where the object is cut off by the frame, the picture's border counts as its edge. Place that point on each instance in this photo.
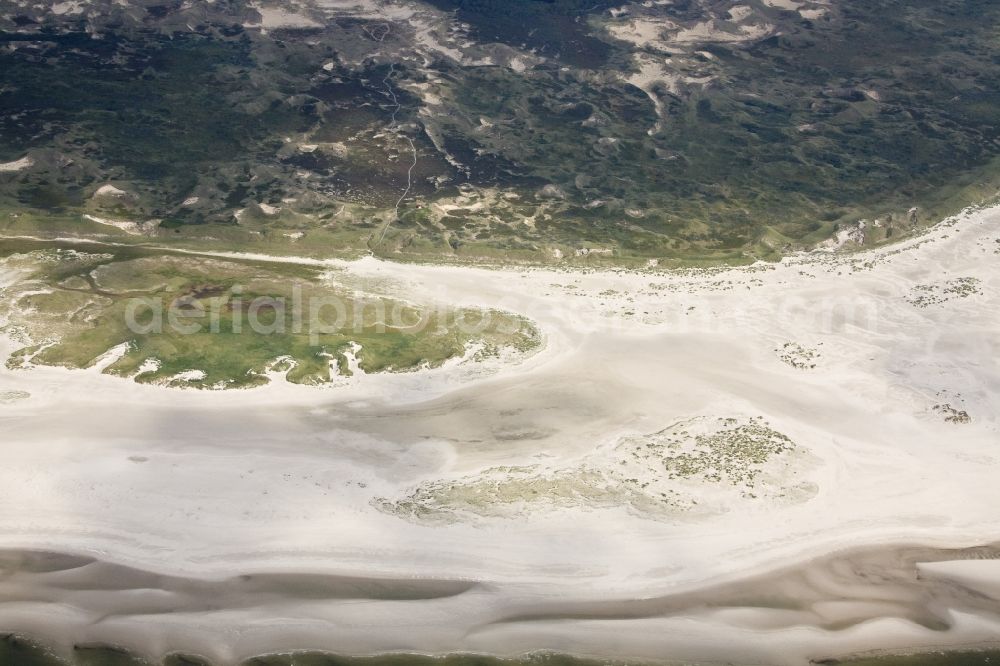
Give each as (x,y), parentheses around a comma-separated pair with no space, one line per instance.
(969,658)
(19,652)
(798,141)
(214,130)
(208,323)
(554,28)
(414,660)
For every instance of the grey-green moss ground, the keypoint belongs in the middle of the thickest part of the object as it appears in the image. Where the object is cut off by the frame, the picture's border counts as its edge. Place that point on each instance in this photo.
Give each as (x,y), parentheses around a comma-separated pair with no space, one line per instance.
(719,462)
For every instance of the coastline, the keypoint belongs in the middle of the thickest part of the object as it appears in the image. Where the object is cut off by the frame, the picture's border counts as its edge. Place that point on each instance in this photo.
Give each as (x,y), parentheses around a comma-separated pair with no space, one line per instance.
(616,365)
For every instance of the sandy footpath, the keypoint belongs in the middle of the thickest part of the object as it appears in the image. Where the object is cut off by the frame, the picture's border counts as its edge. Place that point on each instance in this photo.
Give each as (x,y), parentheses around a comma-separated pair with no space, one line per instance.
(271,493)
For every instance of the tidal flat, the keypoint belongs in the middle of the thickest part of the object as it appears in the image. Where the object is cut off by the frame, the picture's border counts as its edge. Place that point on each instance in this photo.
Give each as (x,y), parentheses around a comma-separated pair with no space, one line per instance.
(832,507)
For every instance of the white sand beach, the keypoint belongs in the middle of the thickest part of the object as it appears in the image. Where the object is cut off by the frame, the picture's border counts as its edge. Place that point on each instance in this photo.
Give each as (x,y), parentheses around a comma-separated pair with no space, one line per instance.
(275,518)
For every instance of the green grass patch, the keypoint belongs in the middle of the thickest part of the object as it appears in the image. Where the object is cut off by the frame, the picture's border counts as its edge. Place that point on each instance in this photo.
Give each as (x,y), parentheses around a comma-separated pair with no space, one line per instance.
(209,323)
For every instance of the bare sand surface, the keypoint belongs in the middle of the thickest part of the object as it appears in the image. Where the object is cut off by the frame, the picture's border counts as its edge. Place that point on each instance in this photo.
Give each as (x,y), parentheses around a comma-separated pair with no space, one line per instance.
(233,523)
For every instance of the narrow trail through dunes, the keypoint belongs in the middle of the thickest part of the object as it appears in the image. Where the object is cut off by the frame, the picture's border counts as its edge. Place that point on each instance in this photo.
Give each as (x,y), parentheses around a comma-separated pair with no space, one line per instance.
(396,131)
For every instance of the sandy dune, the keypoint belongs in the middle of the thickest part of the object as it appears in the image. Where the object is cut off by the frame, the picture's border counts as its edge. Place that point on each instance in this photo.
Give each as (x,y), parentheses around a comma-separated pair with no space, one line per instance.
(272,495)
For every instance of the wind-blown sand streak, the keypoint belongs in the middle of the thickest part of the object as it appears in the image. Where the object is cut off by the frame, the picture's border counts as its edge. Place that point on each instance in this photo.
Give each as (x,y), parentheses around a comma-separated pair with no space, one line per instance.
(911,593)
